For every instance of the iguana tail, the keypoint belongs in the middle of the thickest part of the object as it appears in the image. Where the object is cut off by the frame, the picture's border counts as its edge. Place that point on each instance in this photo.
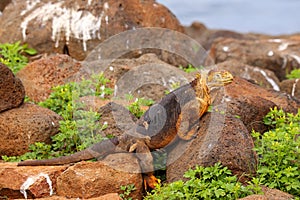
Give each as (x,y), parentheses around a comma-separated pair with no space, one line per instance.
(98,150)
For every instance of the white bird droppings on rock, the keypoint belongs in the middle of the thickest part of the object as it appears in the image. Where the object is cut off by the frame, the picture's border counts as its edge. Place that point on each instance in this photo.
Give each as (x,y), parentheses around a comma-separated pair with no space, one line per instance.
(294,87)
(72,22)
(225,48)
(270,53)
(31,180)
(271,81)
(283,46)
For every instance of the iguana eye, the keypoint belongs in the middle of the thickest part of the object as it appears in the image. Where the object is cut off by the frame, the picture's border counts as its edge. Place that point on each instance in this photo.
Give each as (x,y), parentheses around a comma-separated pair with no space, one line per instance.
(217,76)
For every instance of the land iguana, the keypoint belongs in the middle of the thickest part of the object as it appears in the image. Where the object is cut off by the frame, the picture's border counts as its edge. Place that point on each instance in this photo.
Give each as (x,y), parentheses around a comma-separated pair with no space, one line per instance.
(176,114)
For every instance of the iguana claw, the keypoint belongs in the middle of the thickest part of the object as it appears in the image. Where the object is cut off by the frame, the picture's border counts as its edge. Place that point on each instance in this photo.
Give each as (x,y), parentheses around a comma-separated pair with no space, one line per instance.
(150,181)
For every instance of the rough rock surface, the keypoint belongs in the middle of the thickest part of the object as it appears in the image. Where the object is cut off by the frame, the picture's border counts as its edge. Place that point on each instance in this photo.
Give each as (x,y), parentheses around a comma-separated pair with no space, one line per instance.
(25,125)
(277,55)
(205,36)
(117,118)
(13,178)
(224,134)
(152,76)
(262,77)
(242,89)
(291,87)
(43,24)
(269,194)
(3,4)
(215,142)
(12,91)
(82,180)
(41,75)
(110,196)
(87,180)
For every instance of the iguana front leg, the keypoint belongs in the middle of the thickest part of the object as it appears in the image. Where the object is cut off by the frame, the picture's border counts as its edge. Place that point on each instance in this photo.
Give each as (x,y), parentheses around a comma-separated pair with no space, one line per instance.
(143,153)
(187,123)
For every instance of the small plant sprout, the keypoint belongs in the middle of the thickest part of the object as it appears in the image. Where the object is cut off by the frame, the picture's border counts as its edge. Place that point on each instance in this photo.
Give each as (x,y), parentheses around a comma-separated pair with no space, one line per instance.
(127,190)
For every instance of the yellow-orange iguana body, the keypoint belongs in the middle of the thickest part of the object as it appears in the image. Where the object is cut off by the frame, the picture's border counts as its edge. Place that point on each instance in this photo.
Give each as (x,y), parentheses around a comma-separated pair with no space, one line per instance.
(177,114)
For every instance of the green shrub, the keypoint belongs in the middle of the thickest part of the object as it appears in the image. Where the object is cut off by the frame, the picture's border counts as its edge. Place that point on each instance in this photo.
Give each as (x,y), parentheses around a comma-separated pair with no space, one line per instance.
(215,182)
(127,190)
(135,107)
(80,128)
(279,152)
(189,69)
(294,74)
(64,100)
(13,55)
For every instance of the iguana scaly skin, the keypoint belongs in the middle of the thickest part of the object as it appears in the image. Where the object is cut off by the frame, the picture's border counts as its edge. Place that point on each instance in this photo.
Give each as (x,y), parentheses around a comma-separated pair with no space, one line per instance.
(177,114)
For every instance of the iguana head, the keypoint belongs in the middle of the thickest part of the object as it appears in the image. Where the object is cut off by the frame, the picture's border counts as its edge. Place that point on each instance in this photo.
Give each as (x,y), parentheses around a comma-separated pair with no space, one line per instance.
(216,78)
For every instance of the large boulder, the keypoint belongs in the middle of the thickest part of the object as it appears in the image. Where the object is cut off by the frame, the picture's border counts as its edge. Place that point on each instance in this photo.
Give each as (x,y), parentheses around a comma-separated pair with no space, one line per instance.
(220,138)
(152,77)
(205,36)
(277,55)
(41,75)
(225,133)
(76,27)
(12,91)
(28,182)
(26,125)
(93,179)
(146,76)
(85,180)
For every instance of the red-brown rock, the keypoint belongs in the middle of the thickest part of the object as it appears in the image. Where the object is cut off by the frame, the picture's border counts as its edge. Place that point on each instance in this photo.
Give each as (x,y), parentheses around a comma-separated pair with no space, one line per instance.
(111,196)
(224,134)
(152,77)
(205,36)
(220,138)
(41,75)
(44,25)
(37,182)
(82,180)
(93,179)
(241,88)
(26,125)
(277,55)
(3,4)
(12,91)
(262,77)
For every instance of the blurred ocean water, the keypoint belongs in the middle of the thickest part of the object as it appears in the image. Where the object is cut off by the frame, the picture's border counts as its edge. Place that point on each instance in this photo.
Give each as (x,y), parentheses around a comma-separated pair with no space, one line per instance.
(265,16)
